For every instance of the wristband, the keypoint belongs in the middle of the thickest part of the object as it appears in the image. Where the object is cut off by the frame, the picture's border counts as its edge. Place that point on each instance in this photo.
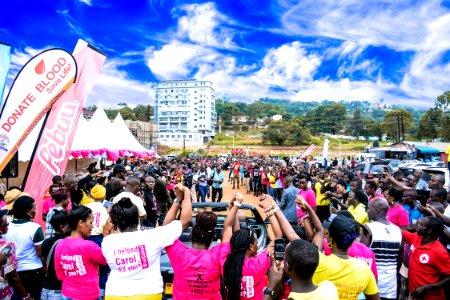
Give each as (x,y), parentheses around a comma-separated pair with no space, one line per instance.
(177,201)
(270,213)
(276,209)
(236,203)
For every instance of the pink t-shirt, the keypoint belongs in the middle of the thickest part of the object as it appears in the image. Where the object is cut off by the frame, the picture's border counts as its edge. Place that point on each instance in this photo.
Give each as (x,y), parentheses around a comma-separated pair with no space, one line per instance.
(197,272)
(50,203)
(377,195)
(254,273)
(358,251)
(309,197)
(47,205)
(398,215)
(76,264)
(364,253)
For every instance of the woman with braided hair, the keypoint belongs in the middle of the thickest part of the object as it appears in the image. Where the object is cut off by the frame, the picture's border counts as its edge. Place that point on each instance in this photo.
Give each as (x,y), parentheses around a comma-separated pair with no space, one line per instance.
(197,269)
(134,255)
(244,274)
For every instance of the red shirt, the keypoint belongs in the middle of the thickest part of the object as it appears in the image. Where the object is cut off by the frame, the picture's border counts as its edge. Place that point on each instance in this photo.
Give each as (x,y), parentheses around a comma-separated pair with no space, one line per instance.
(427,264)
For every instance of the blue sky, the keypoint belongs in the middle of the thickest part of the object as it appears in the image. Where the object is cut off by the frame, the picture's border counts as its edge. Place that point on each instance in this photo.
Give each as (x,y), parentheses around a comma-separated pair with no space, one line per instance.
(309,50)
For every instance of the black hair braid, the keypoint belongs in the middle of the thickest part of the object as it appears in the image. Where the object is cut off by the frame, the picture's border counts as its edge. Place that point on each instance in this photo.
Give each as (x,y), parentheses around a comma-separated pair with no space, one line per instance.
(124,214)
(240,243)
(203,231)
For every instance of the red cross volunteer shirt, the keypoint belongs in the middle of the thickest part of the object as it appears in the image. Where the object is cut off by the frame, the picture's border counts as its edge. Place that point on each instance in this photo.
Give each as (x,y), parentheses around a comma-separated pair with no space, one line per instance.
(427,264)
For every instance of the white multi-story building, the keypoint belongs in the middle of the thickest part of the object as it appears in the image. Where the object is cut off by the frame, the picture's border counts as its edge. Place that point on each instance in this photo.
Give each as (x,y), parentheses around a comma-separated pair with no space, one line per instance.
(185,112)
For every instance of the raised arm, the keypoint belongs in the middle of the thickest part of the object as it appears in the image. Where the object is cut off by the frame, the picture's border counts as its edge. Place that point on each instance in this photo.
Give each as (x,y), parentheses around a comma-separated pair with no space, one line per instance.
(269,204)
(270,209)
(396,182)
(183,195)
(231,218)
(315,223)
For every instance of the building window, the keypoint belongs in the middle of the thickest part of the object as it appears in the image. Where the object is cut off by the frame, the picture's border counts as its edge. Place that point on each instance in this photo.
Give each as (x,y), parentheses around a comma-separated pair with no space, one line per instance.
(190,136)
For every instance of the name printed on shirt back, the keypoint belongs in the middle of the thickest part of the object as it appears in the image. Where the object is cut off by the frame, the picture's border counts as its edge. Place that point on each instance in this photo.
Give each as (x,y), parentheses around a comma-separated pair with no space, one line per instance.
(131,259)
(73,265)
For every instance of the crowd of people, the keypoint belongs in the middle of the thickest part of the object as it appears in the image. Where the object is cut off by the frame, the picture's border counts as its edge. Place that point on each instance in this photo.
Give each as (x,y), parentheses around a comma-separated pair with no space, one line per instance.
(335,233)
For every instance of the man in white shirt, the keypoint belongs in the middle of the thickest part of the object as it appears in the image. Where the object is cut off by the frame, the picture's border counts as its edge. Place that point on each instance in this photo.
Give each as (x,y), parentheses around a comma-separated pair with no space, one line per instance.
(132,191)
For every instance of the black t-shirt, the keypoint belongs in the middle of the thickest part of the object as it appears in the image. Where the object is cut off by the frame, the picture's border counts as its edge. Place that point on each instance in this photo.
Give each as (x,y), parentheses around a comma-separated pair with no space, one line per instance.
(51,281)
(150,207)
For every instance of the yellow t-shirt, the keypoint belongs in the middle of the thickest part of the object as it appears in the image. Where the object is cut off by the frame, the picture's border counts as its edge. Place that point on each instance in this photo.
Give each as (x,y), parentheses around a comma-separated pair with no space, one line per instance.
(350,276)
(272,181)
(447,151)
(359,213)
(86,199)
(325,291)
(321,198)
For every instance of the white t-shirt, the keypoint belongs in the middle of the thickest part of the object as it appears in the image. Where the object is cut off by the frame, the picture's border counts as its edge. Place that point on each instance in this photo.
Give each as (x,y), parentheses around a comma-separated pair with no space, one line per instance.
(447,214)
(135,199)
(25,235)
(100,217)
(134,259)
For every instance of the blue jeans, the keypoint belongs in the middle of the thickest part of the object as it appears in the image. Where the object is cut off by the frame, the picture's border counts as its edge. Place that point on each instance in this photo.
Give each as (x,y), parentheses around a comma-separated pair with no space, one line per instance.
(203,190)
(102,270)
(271,192)
(67,298)
(50,295)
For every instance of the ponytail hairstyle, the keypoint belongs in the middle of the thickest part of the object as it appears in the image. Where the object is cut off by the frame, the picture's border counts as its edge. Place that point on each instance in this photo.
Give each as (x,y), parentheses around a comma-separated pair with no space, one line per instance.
(240,243)
(203,230)
(81,213)
(124,215)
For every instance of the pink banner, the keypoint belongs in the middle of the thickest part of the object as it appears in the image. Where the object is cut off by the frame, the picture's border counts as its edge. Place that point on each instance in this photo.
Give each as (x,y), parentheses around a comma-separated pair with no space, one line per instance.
(308,151)
(52,153)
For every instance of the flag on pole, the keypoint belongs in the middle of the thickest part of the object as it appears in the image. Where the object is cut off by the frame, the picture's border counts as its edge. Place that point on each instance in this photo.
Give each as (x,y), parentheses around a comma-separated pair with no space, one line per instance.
(308,151)
(52,152)
(40,83)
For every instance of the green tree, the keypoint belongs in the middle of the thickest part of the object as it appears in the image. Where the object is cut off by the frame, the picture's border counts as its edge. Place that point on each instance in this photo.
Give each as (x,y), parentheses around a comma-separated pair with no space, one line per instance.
(327,118)
(127,113)
(111,113)
(356,124)
(91,108)
(392,123)
(429,125)
(286,133)
(143,112)
(443,104)
(372,128)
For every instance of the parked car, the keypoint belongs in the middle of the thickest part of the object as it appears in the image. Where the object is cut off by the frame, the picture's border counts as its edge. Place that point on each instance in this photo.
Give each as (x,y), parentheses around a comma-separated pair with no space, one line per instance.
(253,220)
(408,169)
(430,171)
(377,168)
(394,163)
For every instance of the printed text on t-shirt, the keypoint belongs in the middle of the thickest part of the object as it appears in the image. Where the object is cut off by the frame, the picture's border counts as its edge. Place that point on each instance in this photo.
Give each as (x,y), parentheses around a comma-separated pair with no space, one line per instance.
(73,265)
(131,259)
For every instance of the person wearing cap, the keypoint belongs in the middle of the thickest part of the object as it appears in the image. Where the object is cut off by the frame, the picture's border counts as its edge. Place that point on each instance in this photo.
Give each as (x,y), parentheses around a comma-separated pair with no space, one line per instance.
(9,279)
(28,237)
(385,240)
(101,216)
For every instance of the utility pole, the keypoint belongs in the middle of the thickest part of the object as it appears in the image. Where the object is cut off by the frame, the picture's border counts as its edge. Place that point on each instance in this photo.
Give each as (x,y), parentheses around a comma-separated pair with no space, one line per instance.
(403,129)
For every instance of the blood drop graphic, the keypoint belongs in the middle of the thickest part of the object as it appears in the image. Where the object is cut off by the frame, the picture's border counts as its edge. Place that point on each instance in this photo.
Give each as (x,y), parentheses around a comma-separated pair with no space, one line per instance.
(40,67)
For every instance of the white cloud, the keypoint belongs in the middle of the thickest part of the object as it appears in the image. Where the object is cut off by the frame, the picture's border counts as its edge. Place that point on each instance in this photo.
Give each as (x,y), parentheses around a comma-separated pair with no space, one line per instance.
(115,86)
(87,2)
(203,24)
